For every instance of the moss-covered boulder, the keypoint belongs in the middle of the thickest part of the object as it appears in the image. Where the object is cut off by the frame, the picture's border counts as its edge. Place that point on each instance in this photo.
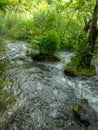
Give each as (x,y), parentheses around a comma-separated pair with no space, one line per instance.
(74,71)
(78,111)
(76,108)
(84,113)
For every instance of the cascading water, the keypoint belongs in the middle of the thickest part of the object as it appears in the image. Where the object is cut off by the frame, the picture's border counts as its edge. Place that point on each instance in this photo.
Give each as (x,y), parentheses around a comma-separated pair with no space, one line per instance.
(39,95)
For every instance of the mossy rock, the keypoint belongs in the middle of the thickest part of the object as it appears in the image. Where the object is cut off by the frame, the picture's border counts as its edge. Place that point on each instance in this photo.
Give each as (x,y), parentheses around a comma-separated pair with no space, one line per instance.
(45,57)
(73,71)
(2,49)
(76,108)
(85,115)
(79,113)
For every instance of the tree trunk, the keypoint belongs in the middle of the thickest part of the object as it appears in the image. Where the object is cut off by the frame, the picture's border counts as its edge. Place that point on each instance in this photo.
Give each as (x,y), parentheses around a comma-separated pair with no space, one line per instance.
(86,61)
(93,29)
(17,8)
(87,24)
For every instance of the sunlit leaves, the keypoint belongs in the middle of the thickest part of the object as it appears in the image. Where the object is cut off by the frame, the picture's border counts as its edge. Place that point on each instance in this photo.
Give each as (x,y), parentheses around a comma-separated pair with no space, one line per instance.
(39,16)
(4,4)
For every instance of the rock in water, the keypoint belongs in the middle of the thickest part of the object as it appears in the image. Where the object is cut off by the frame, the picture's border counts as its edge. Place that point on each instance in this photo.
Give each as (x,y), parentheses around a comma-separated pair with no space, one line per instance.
(84,113)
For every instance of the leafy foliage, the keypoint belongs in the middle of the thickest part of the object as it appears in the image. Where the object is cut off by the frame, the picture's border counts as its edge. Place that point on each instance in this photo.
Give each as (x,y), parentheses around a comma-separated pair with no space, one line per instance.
(82,50)
(4,4)
(50,43)
(27,19)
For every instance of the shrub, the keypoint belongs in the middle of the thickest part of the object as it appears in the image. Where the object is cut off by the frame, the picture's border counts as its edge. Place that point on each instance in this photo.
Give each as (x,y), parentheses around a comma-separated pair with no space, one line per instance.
(83,50)
(50,43)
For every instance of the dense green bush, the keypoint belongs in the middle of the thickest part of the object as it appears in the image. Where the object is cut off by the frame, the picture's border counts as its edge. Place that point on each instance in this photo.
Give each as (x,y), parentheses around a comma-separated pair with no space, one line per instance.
(44,47)
(23,28)
(81,51)
(46,20)
(70,35)
(2,26)
(16,26)
(50,43)
(8,24)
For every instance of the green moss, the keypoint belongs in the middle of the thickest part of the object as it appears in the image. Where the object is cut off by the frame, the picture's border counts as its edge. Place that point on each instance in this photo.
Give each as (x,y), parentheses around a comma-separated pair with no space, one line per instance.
(3,65)
(76,108)
(43,57)
(73,71)
(1,45)
(4,83)
(7,98)
(2,49)
(1,39)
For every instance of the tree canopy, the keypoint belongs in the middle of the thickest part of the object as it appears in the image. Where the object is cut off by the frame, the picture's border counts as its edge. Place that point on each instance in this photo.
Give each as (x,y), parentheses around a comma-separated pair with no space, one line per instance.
(74,21)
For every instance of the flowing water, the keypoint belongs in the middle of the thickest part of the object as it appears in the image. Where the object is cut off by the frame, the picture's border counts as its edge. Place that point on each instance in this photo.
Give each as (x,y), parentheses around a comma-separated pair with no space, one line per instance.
(38,95)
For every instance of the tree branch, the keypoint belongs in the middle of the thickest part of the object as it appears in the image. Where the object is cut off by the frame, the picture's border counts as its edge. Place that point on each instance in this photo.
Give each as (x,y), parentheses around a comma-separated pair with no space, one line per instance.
(87,24)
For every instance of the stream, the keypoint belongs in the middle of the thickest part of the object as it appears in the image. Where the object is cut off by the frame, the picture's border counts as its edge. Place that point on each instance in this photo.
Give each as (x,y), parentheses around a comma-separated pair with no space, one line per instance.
(38,95)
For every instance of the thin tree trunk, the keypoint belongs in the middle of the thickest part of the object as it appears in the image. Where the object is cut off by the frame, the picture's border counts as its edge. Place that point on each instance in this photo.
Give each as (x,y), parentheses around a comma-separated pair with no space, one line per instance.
(17,8)
(87,24)
(86,61)
(93,30)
